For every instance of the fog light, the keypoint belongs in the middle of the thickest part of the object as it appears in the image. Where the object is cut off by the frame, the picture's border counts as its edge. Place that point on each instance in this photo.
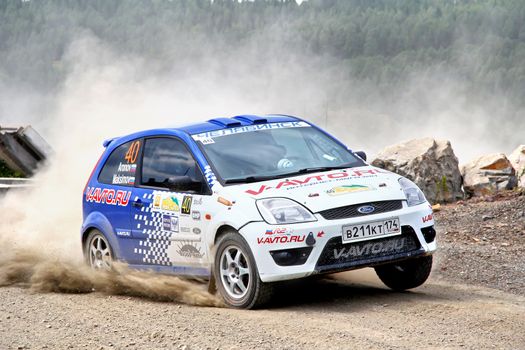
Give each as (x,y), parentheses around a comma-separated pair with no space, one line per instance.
(290,257)
(429,233)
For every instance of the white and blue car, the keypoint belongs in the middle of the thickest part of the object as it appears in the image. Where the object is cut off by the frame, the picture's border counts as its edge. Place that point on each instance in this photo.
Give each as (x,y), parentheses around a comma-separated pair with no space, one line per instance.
(251,200)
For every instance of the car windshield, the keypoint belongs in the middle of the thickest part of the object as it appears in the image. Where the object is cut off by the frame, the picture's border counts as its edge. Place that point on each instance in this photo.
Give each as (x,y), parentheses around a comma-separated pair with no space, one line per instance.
(259,152)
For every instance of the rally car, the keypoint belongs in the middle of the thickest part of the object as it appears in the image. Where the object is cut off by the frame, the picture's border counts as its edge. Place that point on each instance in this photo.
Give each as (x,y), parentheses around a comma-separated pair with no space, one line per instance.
(251,200)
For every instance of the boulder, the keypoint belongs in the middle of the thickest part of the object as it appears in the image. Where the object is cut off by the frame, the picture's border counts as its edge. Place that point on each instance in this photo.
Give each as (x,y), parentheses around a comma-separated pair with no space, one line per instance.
(430,163)
(488,174)
(517,159)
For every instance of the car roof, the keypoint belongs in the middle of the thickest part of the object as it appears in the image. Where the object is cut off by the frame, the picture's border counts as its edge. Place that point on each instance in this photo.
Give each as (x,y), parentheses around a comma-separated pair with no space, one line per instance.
(240,120)
(210,125)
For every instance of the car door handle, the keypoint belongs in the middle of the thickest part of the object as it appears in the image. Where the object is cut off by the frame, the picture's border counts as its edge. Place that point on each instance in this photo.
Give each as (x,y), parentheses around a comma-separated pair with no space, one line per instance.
(137,204)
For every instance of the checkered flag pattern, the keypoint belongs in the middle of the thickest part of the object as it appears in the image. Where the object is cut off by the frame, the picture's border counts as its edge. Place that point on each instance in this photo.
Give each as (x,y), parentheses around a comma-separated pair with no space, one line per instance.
(154,248)
(210,176)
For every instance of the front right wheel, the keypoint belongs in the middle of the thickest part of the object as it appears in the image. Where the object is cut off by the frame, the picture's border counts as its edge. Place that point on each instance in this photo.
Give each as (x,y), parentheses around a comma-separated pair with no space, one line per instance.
(236,274)
(405,274)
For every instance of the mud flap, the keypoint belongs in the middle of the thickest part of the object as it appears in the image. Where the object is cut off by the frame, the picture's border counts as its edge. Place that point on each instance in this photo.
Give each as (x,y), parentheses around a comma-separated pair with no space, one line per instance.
(212,285)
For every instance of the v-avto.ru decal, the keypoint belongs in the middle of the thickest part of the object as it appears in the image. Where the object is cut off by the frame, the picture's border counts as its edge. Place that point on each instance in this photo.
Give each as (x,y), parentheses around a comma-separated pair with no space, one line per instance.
(107,196)
(317,179)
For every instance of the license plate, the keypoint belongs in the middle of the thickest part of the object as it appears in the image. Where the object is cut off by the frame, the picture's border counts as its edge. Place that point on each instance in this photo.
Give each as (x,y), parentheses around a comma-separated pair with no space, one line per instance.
(361,232)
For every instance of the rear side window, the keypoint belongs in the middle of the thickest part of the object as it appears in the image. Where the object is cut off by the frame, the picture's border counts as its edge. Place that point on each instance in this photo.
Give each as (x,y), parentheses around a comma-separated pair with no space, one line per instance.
(121,165)
(167,163)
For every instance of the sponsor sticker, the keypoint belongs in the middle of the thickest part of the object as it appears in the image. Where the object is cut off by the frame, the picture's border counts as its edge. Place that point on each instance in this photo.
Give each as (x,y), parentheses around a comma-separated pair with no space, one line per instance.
(344,189)
(280,235)
(170,223)
(207,141)
(170,203)
(197,201)
(317,179)
(357,250)
(281,239)
(190,250)
(248,128)
(279,231)
(185,229)
(196,230)
(156,201)
(427,218)
(107,196)
(186,205)
(123,233)
(196,215)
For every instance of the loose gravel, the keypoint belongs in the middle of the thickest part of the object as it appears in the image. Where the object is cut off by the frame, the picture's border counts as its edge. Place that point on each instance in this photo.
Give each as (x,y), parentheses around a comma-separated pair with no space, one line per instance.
(475,299)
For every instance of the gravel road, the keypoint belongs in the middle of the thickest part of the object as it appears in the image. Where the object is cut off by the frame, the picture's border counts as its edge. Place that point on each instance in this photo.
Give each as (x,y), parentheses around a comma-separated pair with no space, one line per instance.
(481,242)
(475,299)
(352,311)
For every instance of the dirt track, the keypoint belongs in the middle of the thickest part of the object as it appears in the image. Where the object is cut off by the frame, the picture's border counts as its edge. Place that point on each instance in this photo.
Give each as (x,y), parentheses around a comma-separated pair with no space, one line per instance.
(457,308)
(351,311)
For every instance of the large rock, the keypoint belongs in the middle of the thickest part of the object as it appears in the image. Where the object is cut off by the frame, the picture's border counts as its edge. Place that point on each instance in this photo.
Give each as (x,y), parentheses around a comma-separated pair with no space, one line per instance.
(430,163)
(488,174)
(517,159)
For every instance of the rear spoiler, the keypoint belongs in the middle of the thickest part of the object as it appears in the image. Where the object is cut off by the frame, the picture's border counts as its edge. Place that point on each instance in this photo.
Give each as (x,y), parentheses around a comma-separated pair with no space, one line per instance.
(107,142)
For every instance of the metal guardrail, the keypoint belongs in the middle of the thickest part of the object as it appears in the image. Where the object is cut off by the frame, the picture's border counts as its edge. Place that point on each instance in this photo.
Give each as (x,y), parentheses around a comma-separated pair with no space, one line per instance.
(10,182)
(13,183)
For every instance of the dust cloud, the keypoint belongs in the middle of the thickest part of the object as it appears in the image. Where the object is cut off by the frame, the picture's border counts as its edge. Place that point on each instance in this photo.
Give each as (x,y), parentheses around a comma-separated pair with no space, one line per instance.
(42,273)
(105,95)
(108,93)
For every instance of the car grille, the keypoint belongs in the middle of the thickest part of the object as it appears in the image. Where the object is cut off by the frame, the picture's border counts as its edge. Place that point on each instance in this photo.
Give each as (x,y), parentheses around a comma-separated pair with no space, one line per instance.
(350,211)
(337,256)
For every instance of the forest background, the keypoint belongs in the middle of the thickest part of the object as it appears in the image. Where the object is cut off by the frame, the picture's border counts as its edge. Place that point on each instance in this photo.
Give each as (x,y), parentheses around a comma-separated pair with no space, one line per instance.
(373,72)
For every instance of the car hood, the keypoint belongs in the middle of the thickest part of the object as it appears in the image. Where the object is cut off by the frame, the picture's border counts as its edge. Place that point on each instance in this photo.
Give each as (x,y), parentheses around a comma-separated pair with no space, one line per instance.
(329,189)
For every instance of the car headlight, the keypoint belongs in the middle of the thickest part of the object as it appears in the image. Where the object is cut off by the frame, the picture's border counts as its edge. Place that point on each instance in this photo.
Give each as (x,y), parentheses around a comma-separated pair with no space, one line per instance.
(413,194)
(283,211)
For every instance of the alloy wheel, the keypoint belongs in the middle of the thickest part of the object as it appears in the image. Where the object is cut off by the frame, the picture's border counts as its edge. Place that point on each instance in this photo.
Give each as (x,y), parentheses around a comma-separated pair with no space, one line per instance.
(235,272)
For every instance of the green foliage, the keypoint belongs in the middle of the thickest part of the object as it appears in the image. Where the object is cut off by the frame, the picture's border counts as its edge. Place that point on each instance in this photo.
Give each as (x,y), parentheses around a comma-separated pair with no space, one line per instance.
(383,41)
(444,186)
(442,191)
(5,171)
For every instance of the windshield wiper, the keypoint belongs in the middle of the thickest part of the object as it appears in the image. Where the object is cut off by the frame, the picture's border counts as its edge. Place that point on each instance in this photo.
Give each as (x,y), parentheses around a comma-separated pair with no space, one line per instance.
(319,169)
(249,179)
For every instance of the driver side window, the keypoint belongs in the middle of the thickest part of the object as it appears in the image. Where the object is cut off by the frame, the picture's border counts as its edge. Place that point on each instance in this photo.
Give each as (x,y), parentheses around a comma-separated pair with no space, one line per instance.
(167,163)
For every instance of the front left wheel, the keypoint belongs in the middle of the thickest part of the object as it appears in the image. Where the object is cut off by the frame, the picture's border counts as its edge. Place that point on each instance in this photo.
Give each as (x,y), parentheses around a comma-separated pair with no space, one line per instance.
(236,274)
(405,274)
(97,251)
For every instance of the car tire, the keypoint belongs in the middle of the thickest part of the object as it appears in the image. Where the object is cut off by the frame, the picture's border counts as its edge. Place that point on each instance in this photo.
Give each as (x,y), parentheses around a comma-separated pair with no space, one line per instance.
(97,251)
(236,275)
(405,274)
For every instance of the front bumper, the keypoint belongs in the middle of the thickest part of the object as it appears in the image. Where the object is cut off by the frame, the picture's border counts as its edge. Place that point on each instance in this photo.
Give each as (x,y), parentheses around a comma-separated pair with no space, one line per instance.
(328,253)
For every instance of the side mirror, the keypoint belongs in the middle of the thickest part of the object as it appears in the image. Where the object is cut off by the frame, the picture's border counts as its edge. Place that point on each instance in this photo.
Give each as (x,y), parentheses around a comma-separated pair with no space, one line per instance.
(361,155)
(185,184)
